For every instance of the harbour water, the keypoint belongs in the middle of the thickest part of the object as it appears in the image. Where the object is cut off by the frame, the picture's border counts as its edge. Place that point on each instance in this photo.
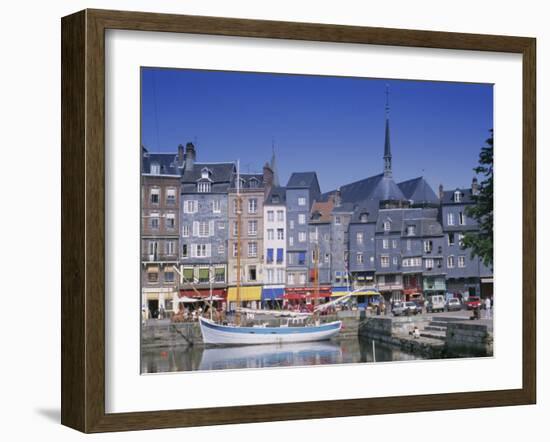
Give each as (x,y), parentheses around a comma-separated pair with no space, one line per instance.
(194,358)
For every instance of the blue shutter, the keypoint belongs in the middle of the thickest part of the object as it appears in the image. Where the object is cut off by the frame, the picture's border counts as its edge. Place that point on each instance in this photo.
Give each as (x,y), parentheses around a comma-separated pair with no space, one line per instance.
(302,258)
(279,255)
(269,255)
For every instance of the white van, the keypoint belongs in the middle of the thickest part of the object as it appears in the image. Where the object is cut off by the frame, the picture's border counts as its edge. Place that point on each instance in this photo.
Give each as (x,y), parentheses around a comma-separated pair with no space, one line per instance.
(436,303)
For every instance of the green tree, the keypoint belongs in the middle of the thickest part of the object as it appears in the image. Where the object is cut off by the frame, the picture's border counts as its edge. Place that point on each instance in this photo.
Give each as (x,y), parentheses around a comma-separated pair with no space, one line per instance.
(481,242)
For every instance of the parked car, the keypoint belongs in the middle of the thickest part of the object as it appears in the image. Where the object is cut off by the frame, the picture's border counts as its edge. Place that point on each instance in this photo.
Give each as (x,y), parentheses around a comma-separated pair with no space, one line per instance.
(404,308)
(473,302)
(453,304)
(436,303)
(419,300)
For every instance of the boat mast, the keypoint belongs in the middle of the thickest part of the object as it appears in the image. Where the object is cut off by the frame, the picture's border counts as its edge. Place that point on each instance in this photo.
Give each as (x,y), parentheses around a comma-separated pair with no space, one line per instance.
(315,276)
(239,213)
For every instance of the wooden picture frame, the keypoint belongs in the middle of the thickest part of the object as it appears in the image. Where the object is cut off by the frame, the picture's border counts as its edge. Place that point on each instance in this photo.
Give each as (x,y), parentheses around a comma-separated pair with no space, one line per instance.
(83,220)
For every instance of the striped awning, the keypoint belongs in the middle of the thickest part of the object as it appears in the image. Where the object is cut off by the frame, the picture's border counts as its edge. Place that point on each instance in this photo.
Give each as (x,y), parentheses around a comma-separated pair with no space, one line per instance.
(247,293)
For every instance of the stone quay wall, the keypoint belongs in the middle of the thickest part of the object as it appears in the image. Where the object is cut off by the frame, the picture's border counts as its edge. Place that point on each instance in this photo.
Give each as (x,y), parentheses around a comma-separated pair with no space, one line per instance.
(464,338)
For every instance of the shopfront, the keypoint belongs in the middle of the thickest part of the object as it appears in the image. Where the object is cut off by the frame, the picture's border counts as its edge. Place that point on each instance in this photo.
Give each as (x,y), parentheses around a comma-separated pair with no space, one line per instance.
(250,297)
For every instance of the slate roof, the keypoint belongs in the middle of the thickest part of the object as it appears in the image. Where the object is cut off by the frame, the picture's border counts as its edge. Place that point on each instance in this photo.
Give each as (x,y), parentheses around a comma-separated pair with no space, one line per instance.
(425,221)
(248,178)
(222,177)
(377,187)
(302,180)
(276,196)
(449,195)
(369,207)
(167,162)
(418,191)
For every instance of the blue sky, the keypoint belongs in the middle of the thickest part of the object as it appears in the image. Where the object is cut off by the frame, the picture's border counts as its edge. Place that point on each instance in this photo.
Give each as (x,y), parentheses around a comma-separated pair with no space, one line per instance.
(332,125)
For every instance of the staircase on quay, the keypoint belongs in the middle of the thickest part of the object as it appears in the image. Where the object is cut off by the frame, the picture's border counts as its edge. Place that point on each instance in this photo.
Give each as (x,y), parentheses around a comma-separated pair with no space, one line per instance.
(437,326)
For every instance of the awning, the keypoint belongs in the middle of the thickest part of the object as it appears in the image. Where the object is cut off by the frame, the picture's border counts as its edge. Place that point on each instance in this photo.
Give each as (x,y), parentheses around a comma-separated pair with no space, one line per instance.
(486,280)
(322,291)
(247,293)
(152,269)
(272,293)
(202,293)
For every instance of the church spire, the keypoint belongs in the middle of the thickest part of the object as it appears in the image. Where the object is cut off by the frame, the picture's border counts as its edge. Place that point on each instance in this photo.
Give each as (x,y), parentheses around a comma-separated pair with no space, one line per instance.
(274,164)
(387,147)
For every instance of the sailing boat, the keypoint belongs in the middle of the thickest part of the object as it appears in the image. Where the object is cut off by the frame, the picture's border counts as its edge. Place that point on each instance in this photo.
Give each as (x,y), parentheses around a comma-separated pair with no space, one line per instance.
(237,334)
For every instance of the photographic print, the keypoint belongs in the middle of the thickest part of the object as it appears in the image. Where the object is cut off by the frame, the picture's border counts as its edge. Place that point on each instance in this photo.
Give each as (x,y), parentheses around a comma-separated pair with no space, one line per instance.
(302,220)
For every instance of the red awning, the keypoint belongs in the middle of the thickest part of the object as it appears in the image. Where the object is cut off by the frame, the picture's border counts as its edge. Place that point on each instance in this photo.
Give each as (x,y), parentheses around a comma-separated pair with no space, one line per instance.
(203,293)
(307,292)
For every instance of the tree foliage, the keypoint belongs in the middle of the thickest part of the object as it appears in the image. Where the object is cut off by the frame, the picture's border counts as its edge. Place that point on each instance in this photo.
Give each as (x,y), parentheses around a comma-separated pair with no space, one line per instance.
(481,242)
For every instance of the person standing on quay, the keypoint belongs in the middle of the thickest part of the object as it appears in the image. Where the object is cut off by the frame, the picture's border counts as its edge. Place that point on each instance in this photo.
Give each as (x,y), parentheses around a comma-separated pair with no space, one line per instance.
(488,308)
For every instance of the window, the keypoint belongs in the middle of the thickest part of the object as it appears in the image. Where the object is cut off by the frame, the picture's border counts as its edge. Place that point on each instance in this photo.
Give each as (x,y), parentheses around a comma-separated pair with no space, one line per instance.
(270,274)
(385,243)
(252,273)
(450,262)
(169,277)
(153,247)
(301,201)
(204,275)
(153,277)
(461,239)
(235,228)
(411,230)
(457,196)
(252,228)
(252,249)
(280,215)
(290,240)
(185,230)
(291,278)
(429,263)
(301,218)
(313,235)
(394,244)
(219,274)
(190,206)
(279,256)
(155,196)
(461,261)
(450,219)
(301,236)
(154,221)
(385,261)
(461,219)
(394,260)
(409,244)
(204,228)
(188,274)
(221,226)
(216,206)
(252,205)
(235,248)
(302,277)
(171,196)
(337,220)
(359,238)
(270,216)
(428,245)
(170,247)
(155,169)
(205,173)
(221,249)
(412,262)
(203,187)
(236,206)
(184,250)
(291,224)
(280,234)
(280,276)
(200,250)
(269,256)
(387,226)
(170,221)
(451,239)
(363,218)
(360,258)
(270,234)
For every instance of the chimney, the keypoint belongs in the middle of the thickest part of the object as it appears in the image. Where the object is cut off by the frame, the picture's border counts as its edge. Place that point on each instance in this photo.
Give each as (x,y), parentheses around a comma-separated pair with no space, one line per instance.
(181,155)
(190,156)
(475,186)
(268,176)
(440,191)
(337,198)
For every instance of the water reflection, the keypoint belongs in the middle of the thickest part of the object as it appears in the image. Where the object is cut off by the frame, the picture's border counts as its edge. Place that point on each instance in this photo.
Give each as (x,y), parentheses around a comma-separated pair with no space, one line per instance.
(264,356)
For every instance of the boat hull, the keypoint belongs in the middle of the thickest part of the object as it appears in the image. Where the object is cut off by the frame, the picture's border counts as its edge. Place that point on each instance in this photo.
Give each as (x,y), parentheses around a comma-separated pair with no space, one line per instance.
(216,334)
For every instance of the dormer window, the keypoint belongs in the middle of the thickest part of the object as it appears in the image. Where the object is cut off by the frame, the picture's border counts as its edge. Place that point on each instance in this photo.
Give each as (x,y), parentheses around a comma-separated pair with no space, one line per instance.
(155,169)
(205,173)
(411,230)
(253,183)
(203,187)
(363,218)
(457,196)
(387,226)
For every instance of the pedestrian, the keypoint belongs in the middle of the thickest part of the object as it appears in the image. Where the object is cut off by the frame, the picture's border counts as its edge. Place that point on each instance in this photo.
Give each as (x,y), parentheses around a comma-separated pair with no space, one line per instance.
(488,308)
